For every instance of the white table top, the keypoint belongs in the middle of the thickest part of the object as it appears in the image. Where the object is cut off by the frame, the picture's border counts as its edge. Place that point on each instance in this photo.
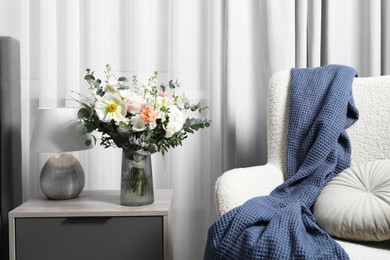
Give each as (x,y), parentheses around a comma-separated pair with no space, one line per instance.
(93,203)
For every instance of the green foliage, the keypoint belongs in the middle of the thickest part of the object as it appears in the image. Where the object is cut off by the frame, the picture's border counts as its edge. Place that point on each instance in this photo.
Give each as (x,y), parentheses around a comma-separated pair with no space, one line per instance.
(198,107)
(88,142)
(81,129)
(83,113)
(194,124)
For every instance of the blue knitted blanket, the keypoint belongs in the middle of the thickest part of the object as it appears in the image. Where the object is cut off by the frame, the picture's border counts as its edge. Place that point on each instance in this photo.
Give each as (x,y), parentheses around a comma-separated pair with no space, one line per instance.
(281,225)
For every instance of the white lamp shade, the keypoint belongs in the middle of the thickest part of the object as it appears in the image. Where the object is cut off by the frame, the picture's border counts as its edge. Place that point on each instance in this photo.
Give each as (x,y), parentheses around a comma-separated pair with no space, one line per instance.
(55,131)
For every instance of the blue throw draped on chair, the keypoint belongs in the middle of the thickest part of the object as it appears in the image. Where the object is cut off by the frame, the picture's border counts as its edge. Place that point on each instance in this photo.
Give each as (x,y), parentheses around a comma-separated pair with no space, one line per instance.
(281,225)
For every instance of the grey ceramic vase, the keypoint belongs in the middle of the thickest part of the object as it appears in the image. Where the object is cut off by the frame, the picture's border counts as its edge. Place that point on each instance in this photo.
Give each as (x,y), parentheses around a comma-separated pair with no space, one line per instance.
(62,177)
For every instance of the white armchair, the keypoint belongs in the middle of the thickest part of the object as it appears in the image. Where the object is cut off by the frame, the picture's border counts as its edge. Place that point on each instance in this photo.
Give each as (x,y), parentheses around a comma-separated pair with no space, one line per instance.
(370,139)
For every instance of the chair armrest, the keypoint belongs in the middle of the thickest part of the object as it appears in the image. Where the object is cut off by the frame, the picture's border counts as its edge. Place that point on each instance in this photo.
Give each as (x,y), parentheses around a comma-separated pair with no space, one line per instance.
(236,186)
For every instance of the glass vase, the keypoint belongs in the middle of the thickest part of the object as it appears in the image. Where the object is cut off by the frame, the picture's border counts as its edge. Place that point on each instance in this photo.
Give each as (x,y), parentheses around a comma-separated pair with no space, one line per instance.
(136,179)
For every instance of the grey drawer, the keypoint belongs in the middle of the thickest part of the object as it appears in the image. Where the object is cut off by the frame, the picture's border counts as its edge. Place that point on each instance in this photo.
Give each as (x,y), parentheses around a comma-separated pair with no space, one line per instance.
(84,238)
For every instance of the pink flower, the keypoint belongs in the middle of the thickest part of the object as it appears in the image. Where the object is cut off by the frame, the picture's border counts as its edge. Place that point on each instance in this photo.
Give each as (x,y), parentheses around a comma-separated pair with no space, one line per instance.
(166,95)
(135,104)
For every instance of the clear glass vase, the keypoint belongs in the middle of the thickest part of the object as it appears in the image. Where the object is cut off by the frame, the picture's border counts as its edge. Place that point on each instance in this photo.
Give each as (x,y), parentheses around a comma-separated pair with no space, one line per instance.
(136,179)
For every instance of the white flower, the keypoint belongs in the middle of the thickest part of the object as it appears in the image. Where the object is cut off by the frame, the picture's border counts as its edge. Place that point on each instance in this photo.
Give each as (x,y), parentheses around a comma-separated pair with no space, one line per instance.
(138,124)
(172,128)
(161,116)
(125,93)
(181,99)
(176,121)
(165,102)
(111,107)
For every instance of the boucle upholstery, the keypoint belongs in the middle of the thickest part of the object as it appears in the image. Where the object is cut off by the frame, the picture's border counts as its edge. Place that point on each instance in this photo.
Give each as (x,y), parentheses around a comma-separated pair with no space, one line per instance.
(369,133)
(238,185)
(369,136)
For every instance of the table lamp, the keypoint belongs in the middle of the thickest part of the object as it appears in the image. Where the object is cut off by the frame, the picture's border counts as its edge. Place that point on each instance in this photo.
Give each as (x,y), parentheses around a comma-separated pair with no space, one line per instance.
(62,176)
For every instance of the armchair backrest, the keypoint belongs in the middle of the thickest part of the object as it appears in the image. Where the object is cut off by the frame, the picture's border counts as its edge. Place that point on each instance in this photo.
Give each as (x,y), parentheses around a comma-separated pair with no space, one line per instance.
(370,135)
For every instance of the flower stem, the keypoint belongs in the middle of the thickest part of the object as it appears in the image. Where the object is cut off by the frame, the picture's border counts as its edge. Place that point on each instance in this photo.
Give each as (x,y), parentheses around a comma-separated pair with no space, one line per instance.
(139,182)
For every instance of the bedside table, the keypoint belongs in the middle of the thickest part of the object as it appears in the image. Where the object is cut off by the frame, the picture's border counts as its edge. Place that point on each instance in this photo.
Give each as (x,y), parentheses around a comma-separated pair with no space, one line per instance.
(92,226)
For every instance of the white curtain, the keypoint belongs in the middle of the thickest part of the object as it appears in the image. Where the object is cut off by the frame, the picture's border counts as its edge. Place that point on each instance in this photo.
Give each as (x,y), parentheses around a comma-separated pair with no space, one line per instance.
(223,53)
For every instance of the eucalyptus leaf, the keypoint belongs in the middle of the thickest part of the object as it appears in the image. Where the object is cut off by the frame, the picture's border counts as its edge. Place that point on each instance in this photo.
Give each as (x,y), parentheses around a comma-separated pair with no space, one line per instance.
(89,77)
(81,129)
(124,79)
(97,83)
(152,148)
(195,127)
(170,84)
(194,121)
(163,88)
(188,130)
(83,113)
(90,126)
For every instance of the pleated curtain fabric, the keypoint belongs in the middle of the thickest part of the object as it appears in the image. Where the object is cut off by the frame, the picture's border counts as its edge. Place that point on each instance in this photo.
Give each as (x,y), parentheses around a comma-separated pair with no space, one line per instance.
(10,135)
(223,52)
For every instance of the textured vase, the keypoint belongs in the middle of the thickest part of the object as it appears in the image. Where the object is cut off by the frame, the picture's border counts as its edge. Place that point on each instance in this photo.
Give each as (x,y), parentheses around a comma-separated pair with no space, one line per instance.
(136,179)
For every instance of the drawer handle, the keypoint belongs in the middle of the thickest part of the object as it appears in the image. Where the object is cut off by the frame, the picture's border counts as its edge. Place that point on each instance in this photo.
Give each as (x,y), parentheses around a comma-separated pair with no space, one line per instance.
(86,220)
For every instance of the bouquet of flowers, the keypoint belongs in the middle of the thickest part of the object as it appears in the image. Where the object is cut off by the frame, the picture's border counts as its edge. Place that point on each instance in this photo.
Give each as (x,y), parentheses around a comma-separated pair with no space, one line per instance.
(140,117)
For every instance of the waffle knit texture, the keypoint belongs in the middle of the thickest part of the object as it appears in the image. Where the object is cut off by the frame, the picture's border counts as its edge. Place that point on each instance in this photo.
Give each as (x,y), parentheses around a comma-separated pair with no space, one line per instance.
(281,225)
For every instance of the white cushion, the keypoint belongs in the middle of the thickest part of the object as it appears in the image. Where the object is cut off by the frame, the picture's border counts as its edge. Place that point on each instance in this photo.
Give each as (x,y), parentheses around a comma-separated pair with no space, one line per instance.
(355,204)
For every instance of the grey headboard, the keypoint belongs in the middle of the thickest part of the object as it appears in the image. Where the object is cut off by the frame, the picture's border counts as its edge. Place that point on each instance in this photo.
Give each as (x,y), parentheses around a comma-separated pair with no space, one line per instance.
(10,137)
